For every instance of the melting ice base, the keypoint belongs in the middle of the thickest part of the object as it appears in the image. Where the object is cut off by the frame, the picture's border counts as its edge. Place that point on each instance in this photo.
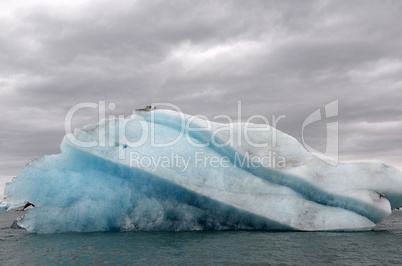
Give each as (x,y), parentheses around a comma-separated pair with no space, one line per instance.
(93,189)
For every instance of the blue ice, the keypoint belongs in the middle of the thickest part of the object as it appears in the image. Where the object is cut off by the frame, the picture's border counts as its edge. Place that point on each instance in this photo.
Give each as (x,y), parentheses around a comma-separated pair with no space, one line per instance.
(167,171)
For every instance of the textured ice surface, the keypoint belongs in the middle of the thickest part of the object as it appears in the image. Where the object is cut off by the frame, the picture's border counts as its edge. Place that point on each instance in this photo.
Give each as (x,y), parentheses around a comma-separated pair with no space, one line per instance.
(213,178)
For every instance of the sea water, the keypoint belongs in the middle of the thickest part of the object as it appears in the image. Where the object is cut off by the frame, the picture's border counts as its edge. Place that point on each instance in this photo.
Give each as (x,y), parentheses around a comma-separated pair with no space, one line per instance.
(383,245)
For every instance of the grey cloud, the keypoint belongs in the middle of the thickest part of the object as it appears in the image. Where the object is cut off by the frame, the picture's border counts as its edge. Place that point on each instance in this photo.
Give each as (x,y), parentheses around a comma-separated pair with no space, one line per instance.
(276,57)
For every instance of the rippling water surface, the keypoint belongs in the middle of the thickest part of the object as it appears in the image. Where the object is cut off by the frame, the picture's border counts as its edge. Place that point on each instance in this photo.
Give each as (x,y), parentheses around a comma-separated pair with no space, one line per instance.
(383,245)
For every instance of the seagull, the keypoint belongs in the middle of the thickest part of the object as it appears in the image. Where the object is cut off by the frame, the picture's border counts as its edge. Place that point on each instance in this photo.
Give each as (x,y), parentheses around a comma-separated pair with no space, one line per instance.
(146,109)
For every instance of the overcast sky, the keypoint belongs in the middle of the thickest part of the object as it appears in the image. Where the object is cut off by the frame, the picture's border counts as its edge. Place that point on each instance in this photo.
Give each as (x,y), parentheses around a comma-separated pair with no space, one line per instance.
(276,57)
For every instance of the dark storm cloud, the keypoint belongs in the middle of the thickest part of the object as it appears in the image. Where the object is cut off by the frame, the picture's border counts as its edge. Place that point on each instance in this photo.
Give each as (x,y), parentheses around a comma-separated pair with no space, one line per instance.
(276,57)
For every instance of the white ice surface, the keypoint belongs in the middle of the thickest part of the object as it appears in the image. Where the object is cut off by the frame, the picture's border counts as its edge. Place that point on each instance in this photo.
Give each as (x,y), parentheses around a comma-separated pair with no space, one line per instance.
(102,188)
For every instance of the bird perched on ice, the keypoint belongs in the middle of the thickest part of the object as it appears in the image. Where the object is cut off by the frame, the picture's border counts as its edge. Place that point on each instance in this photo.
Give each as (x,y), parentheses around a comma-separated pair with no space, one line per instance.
(146,109)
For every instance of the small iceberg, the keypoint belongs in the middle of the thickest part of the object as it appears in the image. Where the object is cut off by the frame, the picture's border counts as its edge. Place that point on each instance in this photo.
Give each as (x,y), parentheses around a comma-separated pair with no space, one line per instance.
(18,206)
(4,205)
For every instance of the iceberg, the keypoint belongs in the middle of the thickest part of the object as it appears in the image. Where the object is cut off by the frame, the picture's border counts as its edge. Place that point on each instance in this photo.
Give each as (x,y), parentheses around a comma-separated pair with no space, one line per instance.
(161,170)
(4,205)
